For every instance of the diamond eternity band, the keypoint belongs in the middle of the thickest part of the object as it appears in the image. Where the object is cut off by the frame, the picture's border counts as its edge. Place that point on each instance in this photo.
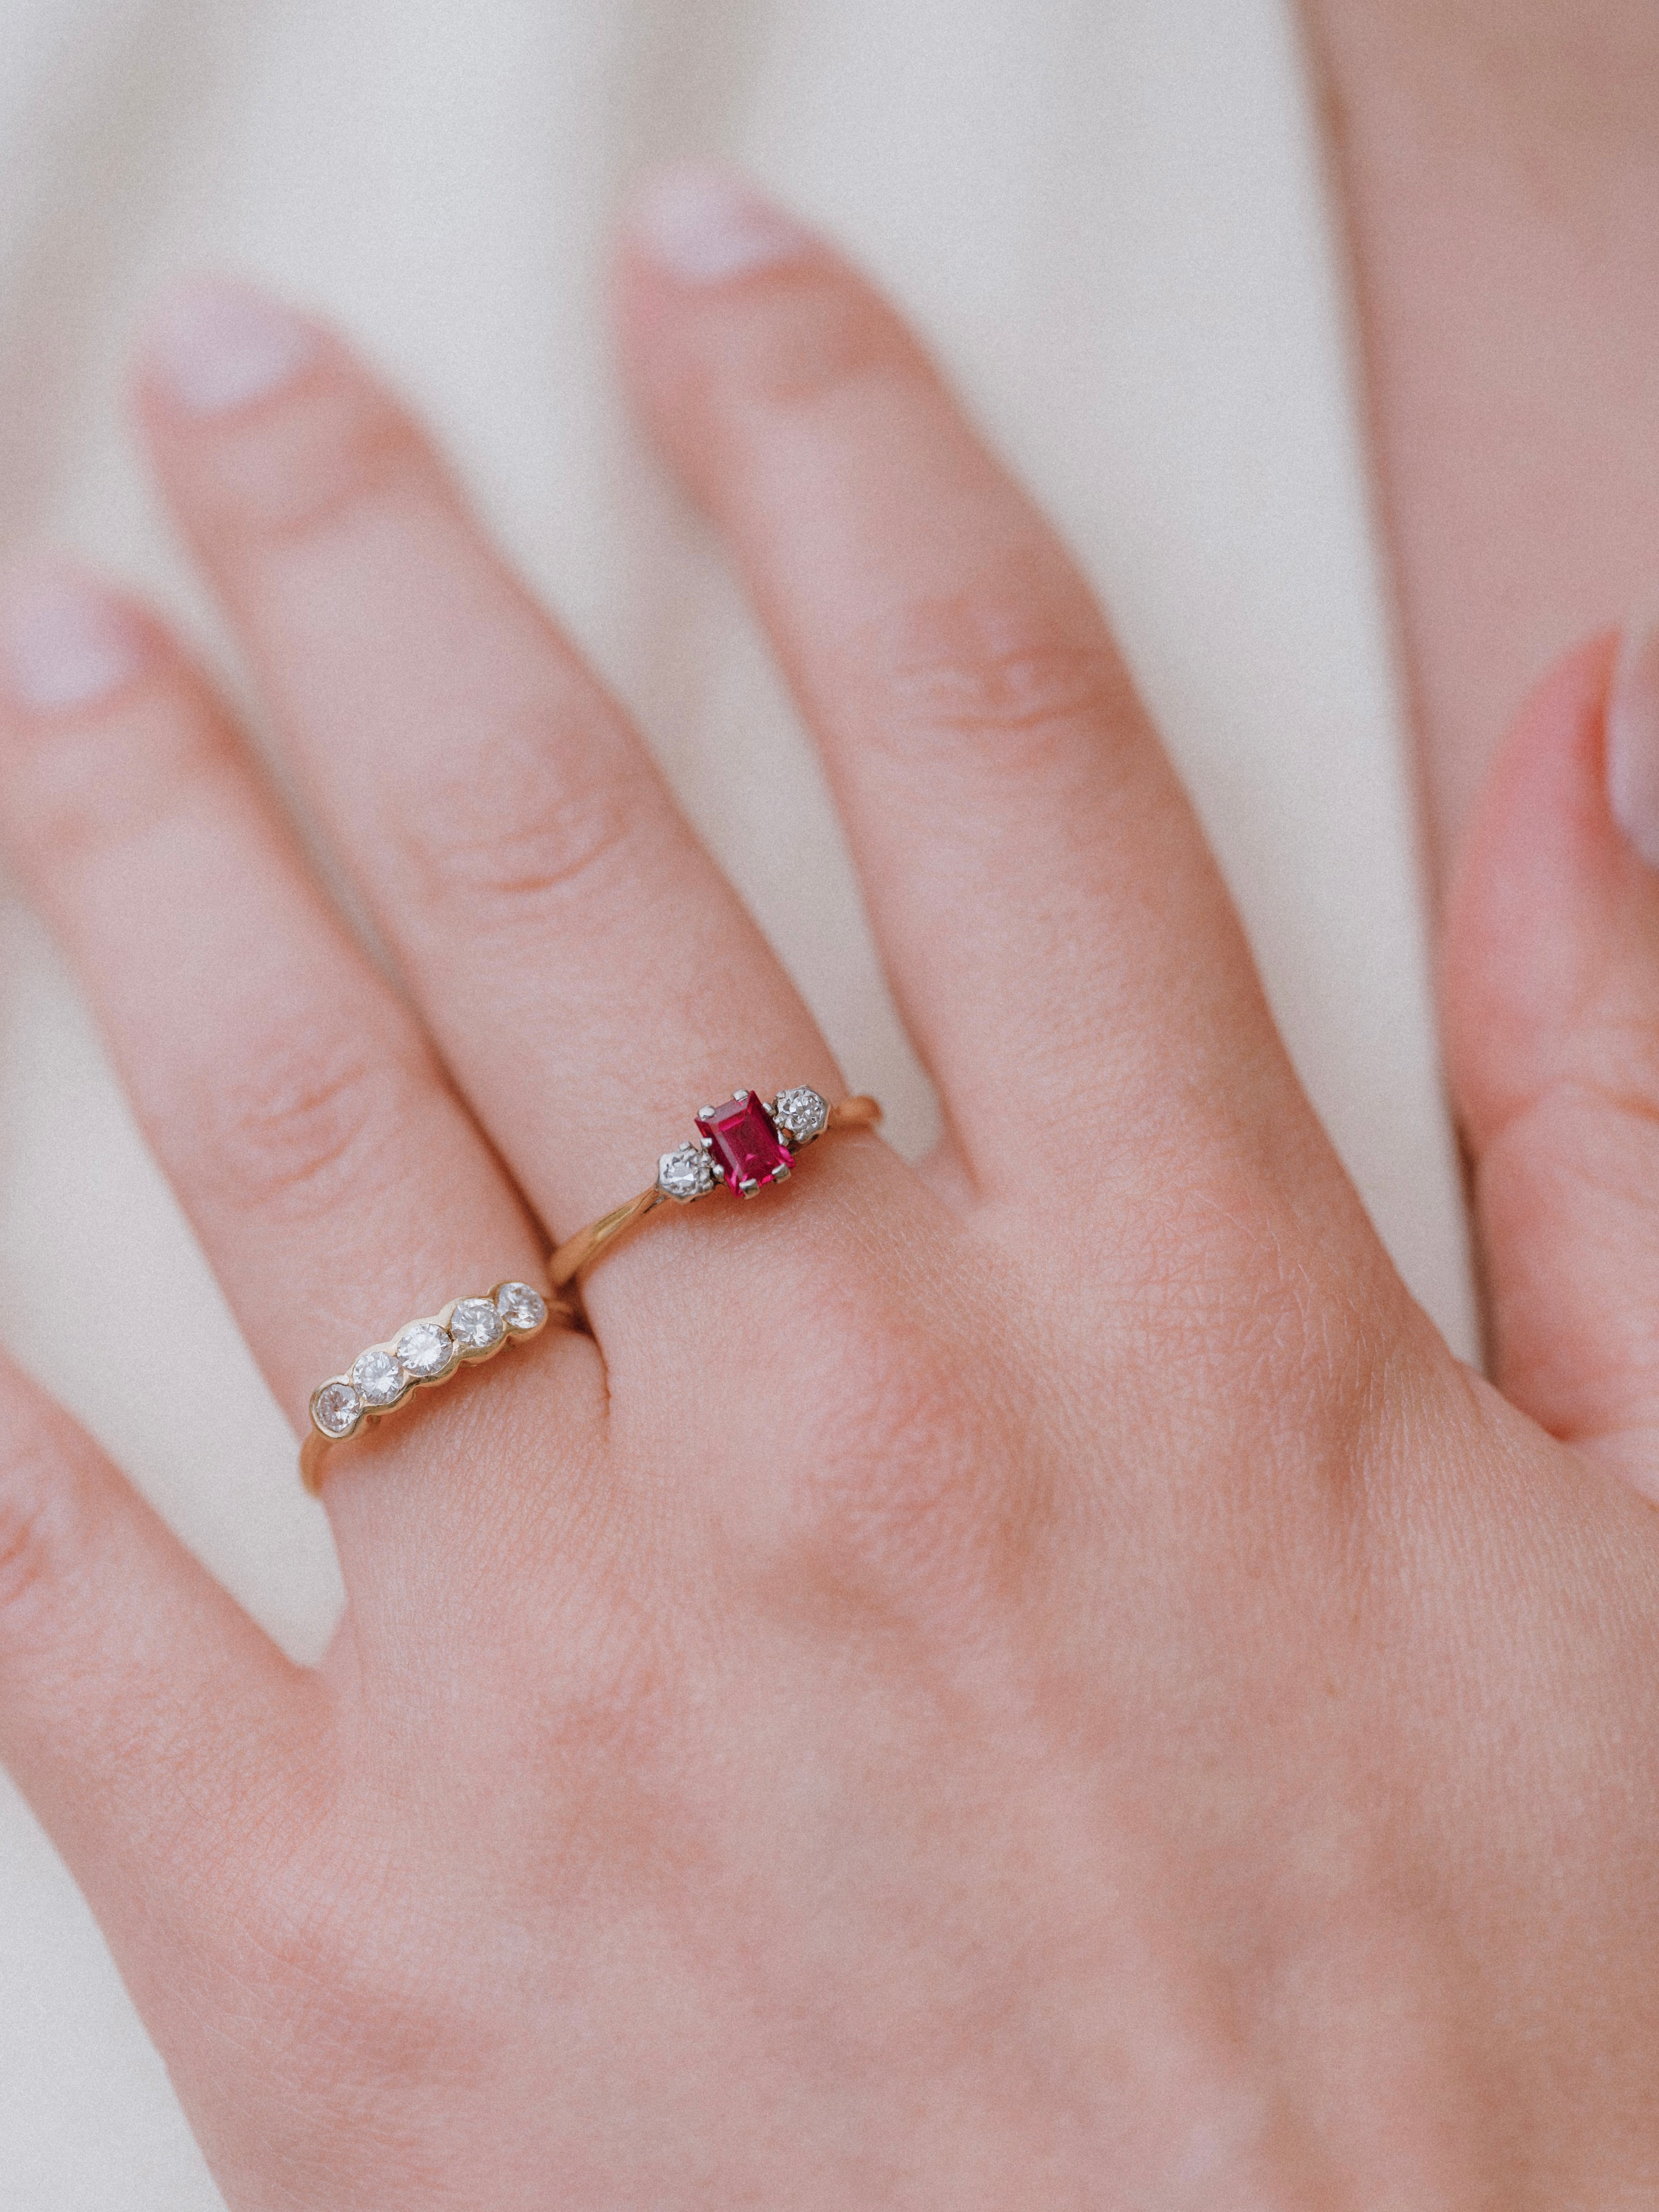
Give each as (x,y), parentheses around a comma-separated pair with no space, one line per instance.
(464,1334)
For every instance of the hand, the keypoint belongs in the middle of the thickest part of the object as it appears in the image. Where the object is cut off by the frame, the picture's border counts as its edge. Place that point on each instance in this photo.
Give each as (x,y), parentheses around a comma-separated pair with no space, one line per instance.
(1034,1680)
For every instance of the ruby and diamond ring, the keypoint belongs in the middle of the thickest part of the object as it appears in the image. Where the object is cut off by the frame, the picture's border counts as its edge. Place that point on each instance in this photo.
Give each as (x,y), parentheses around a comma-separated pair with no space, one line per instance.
(741,1146)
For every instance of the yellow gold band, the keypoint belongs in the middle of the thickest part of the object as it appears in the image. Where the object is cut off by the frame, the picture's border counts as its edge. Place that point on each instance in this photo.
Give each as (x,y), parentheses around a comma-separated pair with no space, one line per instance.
(743,1145)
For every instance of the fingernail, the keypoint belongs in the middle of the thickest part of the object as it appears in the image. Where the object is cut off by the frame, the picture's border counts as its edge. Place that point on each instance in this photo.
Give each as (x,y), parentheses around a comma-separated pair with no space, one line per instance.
(1633,741)
(64,642)
(705,227)
(215,347)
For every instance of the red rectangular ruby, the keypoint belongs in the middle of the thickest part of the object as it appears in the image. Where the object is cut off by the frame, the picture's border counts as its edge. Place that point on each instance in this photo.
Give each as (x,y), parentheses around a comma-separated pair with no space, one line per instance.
(747,1146)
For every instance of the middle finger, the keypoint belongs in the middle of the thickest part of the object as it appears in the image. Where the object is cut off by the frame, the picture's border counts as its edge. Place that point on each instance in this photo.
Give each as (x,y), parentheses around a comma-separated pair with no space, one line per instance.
(588,971)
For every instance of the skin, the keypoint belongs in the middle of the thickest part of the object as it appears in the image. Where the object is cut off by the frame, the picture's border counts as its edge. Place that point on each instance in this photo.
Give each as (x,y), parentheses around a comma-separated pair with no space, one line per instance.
(1499,170)
(1106,1712)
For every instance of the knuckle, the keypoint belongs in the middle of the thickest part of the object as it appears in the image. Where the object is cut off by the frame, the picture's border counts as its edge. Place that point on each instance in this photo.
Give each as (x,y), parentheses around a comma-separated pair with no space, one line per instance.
(515,832)
(906,1483)
(1226,1284)
(1618,1062)
(334,1941)
(1595,1069)
(806,341)
(1246,1317)
(40,1533)
(1017,668)
(292,1127)
(1570,1163)
(110,781)
(335,444)
(1572,1116)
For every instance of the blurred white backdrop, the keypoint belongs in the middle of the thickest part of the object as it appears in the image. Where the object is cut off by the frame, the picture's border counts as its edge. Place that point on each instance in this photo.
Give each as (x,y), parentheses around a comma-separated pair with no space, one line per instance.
(1109,215)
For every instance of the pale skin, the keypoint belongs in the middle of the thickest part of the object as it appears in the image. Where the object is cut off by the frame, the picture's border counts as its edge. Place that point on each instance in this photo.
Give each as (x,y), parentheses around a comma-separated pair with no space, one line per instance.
(1500,171)
(1112,1713)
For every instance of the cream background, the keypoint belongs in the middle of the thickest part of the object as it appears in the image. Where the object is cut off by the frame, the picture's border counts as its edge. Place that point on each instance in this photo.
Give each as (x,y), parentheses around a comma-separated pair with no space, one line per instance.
(1108,213)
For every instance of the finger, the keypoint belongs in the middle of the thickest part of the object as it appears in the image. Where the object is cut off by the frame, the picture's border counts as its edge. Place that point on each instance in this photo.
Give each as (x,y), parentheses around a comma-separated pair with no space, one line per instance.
(1042,891)
(156,1732)
(587,973)
(1552,965)
(338,1185)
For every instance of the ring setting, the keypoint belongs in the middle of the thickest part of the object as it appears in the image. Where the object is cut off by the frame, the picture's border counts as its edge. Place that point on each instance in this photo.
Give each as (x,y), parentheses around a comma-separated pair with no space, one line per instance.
(745,1145)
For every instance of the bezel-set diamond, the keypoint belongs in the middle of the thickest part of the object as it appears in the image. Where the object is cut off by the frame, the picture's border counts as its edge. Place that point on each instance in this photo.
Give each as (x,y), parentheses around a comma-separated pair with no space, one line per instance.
(337,1409)
(521,1307)
(425,1350)
(380,1378)
(476,1324)
(430,1350)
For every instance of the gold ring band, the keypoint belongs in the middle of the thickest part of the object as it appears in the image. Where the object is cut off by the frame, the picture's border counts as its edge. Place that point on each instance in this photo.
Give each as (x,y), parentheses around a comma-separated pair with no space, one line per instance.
(743,1145)
(426,1352)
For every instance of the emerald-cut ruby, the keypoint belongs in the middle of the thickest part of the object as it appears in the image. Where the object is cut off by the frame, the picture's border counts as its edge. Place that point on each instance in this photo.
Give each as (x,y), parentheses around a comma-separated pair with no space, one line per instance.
(749,1150)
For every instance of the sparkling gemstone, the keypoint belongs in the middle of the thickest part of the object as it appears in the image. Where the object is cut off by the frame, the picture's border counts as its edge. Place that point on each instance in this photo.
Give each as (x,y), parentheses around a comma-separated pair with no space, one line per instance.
(425,1349)
(519,1306)
(476,1325)
(686,1172)
(801,1114)
(745,1144)
(380,1380)
(334,1408)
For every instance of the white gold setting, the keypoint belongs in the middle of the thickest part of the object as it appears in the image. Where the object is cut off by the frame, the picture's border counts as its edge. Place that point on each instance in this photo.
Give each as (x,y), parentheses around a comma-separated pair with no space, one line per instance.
(687,1172)
(800,1115)
(431,1350)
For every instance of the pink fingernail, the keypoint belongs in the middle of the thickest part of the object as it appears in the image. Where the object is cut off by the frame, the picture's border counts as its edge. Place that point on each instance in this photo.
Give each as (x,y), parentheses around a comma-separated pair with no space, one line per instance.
(66,642)
(1633,741)
(706,227)
(216,347)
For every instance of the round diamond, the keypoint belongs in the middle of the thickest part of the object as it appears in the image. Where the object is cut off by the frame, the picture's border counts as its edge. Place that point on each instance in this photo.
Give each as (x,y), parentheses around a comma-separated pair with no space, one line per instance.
(686,1172)
(425,1349)
(801,1115)
(380,1380)
(476,1325)
(519,1306)
(335,1409)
